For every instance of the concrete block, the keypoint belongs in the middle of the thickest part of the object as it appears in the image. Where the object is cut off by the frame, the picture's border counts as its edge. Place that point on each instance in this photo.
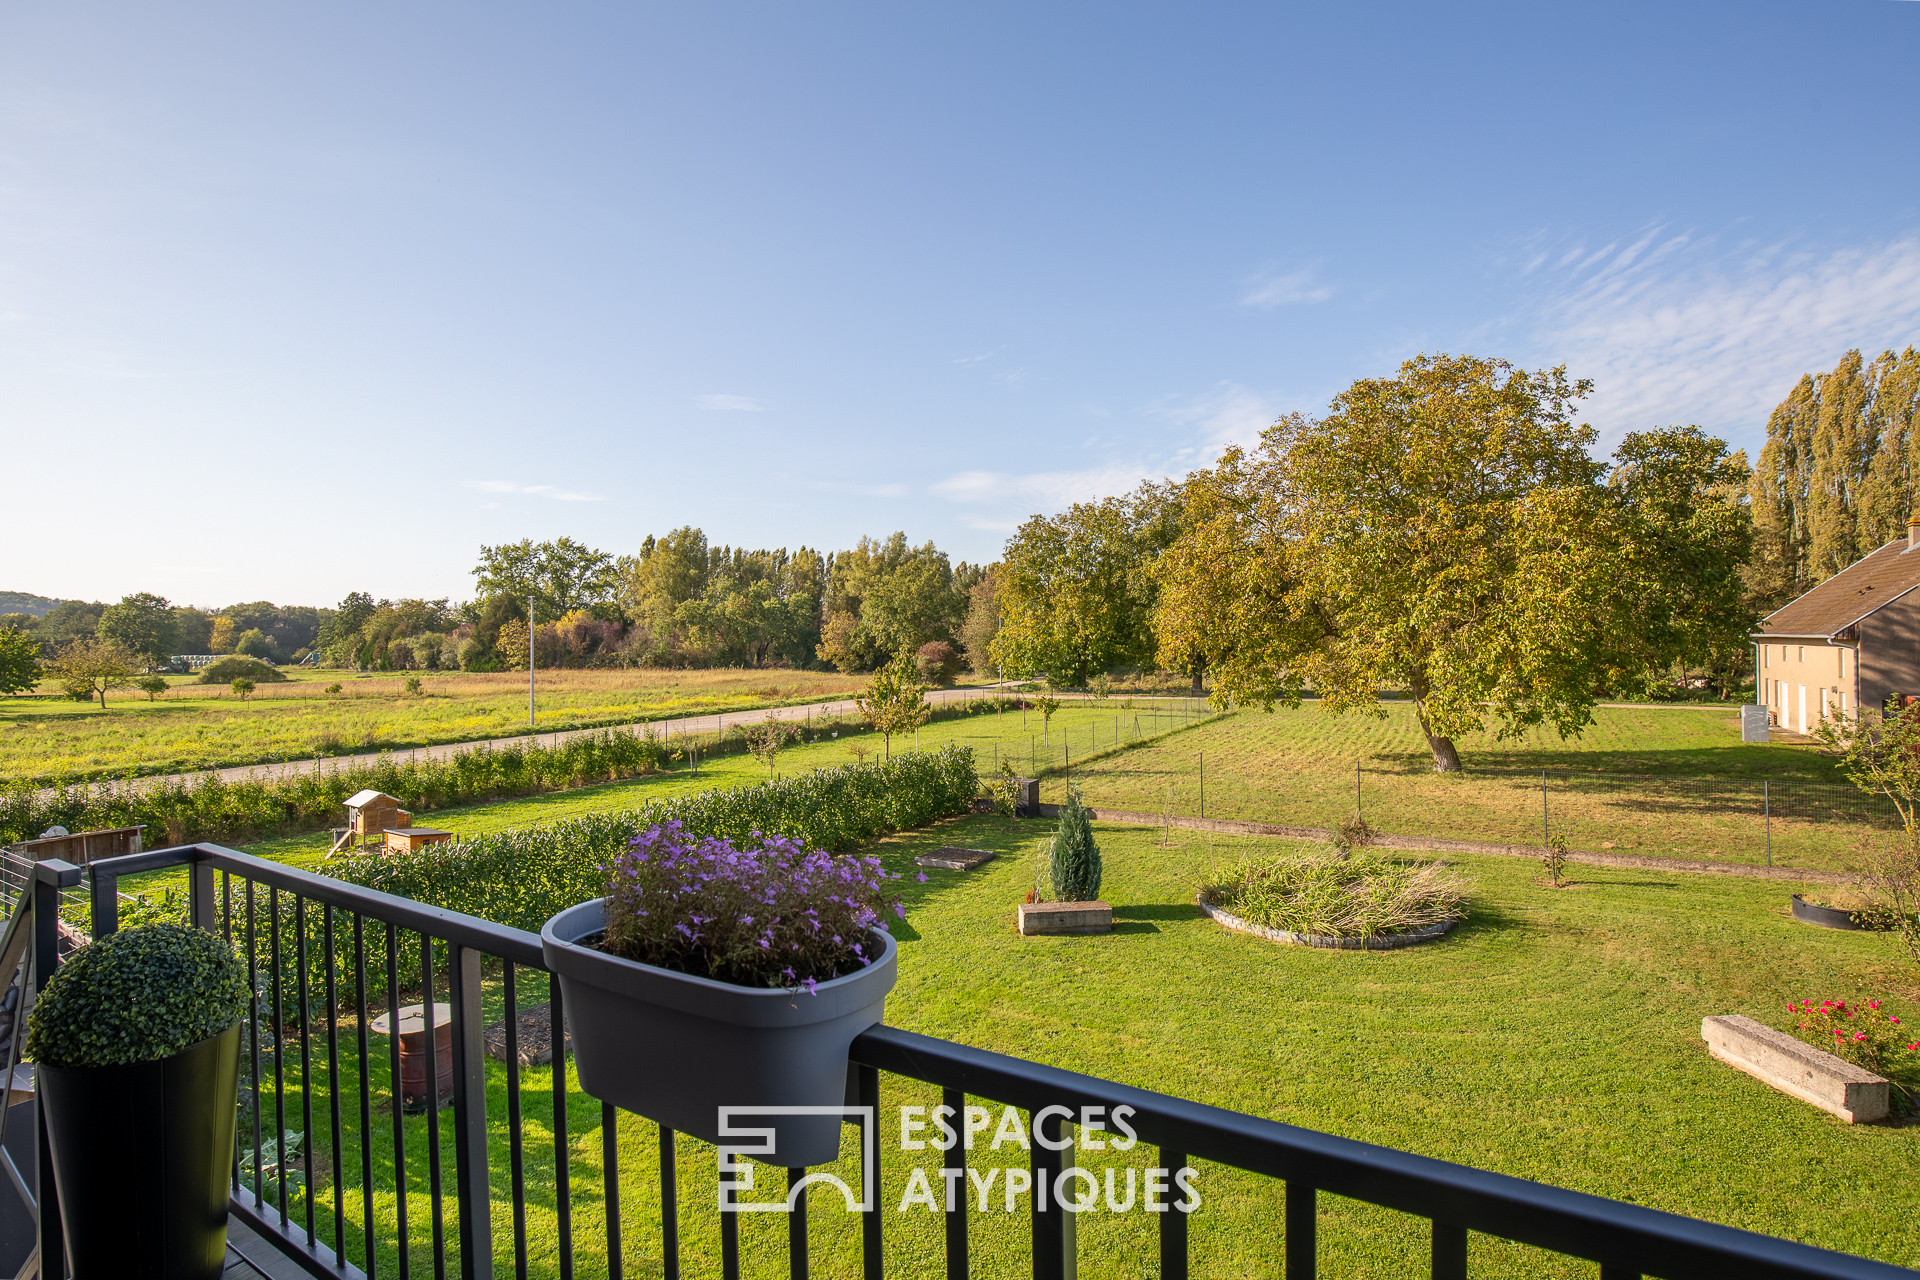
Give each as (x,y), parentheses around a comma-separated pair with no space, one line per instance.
(1753,723)
(1040,918)
(951,858)
(1832,1084)
(1028,806)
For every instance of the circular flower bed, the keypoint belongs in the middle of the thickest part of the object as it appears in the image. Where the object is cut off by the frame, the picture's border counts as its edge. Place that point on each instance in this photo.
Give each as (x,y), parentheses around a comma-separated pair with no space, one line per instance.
(1332,898)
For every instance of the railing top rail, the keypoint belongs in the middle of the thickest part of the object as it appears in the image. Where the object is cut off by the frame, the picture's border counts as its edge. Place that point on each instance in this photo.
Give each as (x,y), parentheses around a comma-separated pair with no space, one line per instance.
(517,945)
(1630,1237)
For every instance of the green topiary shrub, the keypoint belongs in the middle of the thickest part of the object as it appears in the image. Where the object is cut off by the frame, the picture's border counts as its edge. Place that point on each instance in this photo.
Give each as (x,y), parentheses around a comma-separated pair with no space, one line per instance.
(137,996)
(236,667)
(1074,864)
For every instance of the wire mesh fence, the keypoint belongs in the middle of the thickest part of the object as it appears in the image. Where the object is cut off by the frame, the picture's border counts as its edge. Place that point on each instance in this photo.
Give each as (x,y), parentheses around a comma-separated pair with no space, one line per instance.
(1732,819)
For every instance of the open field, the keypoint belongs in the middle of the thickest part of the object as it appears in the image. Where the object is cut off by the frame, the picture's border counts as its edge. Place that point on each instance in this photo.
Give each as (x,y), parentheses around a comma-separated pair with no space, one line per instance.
(194,726)
(1654,781)
(1553,1036)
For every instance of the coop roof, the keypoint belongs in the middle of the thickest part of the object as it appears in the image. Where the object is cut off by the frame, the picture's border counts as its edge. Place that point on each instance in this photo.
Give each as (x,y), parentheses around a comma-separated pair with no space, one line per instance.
(1867,584)
(361,799)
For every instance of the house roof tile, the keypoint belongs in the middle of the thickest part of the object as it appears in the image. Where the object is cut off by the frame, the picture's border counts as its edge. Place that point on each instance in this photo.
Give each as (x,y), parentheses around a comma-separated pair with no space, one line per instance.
(1848,596)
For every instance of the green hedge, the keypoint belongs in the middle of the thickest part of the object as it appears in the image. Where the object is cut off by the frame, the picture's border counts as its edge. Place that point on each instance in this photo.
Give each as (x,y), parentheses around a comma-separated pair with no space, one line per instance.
(210,808)
(520,878)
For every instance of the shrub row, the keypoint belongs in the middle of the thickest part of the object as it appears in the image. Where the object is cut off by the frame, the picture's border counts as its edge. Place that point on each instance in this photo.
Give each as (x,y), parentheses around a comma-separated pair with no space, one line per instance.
(211,808)
(520,878)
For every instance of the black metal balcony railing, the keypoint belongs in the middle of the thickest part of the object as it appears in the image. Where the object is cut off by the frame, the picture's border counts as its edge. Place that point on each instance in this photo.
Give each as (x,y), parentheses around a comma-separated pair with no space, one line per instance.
(308,940)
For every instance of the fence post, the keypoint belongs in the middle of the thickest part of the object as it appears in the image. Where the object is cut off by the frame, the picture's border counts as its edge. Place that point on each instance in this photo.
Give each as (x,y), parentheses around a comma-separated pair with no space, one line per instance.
(1766,802)
(1203,785)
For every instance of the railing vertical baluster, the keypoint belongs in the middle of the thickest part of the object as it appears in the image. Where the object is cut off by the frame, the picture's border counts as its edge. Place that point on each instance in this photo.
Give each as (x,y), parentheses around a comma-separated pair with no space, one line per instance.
(333,1084)
(253,1035)
(610,1180)
(46,961)
(729,1246)
(1173,1225)
(397,1093)
(431,1038)
(669,1208)
(1449,1251)
(956,1102)
(1302,1223)
(470,1165)
(872,1261)
(1049,1242)
(306,1057)
(361,1014)
(279,1047)
(515,1148)
(562,1165)
(797,1227)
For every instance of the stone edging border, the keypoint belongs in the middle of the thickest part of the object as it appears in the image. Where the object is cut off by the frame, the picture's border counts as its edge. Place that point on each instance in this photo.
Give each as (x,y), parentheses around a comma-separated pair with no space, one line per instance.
(1380,942)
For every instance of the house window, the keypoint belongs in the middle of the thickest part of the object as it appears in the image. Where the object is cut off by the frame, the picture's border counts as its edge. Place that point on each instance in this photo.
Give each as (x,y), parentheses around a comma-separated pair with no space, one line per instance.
(1803,653)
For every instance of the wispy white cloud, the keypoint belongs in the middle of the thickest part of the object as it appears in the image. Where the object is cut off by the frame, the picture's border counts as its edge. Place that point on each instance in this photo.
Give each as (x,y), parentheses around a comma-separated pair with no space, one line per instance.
(1226,413)
(533,491)
(1040,490)
(862,490)
(1677,328)
(734,404)
(1268,291)
(1195,429)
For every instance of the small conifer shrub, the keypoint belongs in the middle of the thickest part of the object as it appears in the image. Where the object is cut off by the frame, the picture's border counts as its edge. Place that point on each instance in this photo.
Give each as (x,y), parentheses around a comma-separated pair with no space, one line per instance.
(1074,864)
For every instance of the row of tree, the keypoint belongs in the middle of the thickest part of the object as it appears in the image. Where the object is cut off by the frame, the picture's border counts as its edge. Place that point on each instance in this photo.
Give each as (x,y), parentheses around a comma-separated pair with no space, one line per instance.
(154,629)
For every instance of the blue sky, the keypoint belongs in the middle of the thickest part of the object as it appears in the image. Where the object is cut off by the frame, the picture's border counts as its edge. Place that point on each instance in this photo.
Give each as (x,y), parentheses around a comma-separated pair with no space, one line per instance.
(297,300)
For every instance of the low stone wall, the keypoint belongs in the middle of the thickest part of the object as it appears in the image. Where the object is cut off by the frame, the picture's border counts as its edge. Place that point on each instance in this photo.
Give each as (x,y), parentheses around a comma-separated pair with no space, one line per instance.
(1832,1084)
(1434,844)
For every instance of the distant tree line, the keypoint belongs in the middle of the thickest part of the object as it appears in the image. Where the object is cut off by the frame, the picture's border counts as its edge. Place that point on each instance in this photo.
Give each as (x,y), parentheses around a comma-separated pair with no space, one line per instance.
(1446,532)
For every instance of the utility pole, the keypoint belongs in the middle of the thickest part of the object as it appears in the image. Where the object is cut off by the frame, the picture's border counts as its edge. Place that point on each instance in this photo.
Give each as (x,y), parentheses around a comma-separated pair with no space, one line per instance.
(529,662)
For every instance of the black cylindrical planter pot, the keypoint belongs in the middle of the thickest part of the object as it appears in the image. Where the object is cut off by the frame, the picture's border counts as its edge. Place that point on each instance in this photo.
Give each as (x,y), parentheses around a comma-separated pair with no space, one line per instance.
(142,1156)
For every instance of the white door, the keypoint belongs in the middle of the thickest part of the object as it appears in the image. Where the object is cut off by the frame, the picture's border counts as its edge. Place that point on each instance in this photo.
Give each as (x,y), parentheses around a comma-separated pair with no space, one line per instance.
(1803,708)
(1823,705)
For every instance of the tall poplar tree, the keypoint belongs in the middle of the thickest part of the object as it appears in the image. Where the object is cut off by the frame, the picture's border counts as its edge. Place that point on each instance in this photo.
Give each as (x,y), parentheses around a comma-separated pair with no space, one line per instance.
(1837,477)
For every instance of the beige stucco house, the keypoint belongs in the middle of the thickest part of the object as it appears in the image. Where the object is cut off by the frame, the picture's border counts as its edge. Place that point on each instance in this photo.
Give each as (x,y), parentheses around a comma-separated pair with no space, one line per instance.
(1852,641)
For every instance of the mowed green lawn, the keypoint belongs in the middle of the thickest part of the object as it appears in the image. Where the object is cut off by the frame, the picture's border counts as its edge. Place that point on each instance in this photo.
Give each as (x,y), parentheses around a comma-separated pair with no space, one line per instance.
(196,726)
(1555,1036)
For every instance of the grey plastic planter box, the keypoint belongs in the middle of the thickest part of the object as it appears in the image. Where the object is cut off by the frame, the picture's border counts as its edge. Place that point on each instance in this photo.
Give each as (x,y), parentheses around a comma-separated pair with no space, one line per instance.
(675,1048)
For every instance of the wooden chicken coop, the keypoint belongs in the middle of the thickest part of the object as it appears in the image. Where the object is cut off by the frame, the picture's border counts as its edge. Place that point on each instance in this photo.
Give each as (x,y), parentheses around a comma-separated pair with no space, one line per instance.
(370,815)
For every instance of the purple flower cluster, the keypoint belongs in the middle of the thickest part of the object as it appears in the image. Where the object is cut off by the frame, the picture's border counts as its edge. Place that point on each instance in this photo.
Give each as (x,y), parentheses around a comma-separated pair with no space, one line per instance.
(780,915)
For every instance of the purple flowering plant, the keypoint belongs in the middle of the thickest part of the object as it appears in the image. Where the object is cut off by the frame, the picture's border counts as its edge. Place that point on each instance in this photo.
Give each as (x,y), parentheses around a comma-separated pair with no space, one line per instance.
(776,915)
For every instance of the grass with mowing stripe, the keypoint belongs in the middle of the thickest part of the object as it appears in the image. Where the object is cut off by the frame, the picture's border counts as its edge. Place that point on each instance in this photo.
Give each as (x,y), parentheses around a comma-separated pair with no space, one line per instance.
(1553,1036)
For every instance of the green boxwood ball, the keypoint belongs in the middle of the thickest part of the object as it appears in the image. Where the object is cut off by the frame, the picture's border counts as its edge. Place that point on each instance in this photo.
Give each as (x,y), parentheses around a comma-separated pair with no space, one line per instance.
(137,996)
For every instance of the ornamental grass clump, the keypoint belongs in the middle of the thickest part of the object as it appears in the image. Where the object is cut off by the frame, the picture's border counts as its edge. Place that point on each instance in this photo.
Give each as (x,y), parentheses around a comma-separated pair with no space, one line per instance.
(775,915)
(1330,892)
(137,996)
